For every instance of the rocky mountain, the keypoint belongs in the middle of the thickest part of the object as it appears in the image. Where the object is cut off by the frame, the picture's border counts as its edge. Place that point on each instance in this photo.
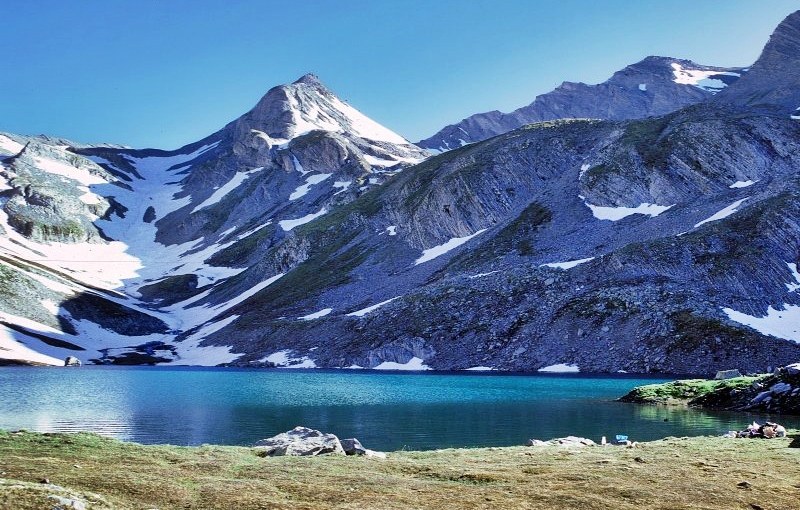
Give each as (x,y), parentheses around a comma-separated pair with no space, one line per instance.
(303,235)
(654,86)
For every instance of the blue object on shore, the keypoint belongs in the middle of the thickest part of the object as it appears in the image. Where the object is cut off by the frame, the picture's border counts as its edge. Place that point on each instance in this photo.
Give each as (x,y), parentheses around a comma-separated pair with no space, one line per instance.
(621,438)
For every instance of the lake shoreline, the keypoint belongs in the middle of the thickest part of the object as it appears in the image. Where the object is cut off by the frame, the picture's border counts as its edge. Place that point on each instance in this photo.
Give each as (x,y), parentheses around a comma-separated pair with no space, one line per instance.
(699,472)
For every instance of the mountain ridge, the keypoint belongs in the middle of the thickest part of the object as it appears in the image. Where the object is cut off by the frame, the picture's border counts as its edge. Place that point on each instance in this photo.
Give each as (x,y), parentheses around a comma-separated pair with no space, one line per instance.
(291,238)
(650,87)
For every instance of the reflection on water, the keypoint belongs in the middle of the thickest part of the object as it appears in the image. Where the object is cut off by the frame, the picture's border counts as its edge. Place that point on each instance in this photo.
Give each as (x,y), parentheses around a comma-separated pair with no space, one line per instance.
(386,411)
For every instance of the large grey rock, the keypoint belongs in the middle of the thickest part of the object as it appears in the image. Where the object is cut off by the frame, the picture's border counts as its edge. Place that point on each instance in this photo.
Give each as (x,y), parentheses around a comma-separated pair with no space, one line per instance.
(727,374)
(72,361)
(353,446)
(300,441)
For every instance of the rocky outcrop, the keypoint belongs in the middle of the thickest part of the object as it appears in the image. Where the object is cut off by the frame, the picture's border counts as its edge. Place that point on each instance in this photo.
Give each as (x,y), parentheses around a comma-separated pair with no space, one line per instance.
(773,393)
(773,82)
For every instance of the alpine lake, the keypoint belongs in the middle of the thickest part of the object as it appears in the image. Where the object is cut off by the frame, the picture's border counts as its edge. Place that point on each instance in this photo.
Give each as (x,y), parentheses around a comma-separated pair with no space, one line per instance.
(385,410)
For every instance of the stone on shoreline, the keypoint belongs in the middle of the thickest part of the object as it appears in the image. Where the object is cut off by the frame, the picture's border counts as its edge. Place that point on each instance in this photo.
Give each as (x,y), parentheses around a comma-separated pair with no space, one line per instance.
(563,441)
(303,441)
(300,441)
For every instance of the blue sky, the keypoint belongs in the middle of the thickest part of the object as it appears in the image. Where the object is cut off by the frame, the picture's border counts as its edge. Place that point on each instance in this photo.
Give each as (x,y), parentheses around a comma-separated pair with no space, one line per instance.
(165,73)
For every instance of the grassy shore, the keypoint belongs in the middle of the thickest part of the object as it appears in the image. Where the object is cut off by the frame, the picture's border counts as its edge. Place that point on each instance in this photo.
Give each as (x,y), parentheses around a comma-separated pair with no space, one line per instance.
(705,472)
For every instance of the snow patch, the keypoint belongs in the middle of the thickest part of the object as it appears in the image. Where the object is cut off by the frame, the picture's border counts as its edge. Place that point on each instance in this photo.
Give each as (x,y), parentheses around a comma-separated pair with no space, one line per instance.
(618,213)
(303,189)
(10,146)
(561,368)
(779,323)
(742,184)
(229,186)
(414,363)
(724,213)
(568,264)
(341,186)
(643,87)
(288,225)
(391,230)
(481,275)
(365,311)
(81,175)
(316,315)
(12,347)
(284,359)
(436,251)
(479,369)
(699,78)
(796,284)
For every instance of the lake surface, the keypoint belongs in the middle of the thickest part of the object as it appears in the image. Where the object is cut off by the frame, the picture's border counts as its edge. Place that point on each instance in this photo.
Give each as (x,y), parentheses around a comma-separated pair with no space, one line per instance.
(386,411)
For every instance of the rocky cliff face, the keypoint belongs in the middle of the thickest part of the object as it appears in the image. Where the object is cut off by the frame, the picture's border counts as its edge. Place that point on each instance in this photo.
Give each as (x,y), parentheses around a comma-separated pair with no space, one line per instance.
(654,86)
(774,83)
(302,235)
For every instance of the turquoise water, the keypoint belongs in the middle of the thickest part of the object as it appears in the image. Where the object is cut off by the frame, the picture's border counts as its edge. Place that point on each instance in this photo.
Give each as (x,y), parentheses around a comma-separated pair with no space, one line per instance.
(386,411)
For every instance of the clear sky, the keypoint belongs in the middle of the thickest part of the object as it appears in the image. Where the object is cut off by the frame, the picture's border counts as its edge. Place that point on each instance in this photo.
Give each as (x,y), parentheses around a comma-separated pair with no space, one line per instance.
(151,73)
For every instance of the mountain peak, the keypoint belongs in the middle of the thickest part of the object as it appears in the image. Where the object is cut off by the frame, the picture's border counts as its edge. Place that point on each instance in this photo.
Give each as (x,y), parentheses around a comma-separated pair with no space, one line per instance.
(774,79)
(308,79)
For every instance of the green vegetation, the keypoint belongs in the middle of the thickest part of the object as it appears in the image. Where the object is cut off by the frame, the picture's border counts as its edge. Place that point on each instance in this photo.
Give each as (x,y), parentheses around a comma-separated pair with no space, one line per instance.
(682,473)
(695,332)
(686,392)
(516,236)
(239,252)
(648,137)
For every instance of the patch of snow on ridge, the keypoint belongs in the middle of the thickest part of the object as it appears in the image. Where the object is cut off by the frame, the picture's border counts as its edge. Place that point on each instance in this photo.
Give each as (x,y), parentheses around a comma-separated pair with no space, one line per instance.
(795,117)
(414,363)
(316,315)
(481,275)
(303,189)
(561,368)
(699,78)
(365,127)
(724,213)
(298,166)
(81,175)
(10,146)
(568,264)
(365,311)
(288,225)
(342,186)
(12,347)
(779,323)
(436,251)
(391,230)
(796,275)
(618,213)
(643,87)
(283,359)
(190,352)
(229,186)
(742,184)
(479,369)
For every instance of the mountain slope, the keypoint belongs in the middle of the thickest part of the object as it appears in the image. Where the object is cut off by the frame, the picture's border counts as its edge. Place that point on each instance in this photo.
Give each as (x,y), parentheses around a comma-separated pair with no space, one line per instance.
(296,237)
(654,86)
(102,244)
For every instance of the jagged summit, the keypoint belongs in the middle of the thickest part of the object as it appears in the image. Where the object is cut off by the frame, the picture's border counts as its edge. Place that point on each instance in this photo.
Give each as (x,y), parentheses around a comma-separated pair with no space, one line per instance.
(774,79)
(653,86)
